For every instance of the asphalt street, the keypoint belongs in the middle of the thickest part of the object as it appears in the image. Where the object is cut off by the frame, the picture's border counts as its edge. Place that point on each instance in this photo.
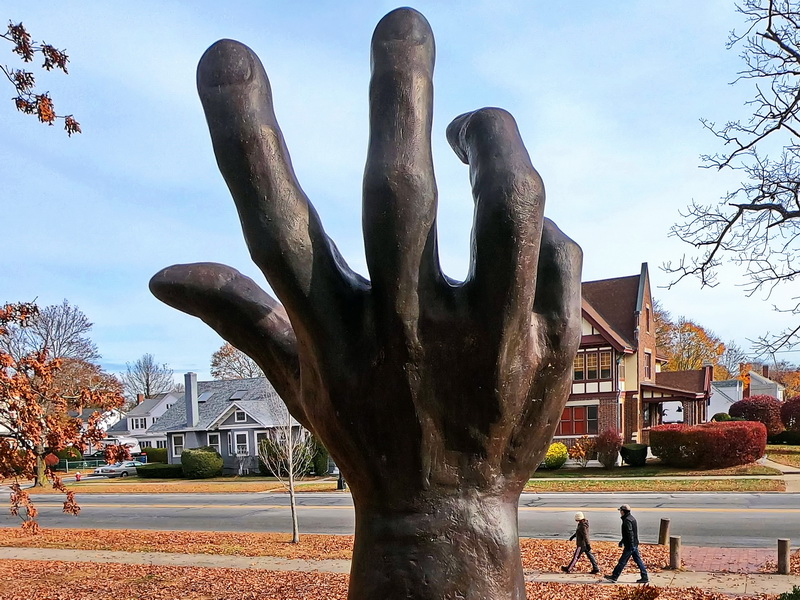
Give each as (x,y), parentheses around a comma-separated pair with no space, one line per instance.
(718,519)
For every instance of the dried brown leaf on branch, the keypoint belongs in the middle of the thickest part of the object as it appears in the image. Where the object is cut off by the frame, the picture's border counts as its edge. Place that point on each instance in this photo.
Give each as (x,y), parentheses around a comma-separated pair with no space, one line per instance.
(27,100)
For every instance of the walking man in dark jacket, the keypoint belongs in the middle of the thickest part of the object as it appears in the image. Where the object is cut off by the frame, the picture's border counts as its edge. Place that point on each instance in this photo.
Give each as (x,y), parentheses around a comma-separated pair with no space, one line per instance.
(630,547)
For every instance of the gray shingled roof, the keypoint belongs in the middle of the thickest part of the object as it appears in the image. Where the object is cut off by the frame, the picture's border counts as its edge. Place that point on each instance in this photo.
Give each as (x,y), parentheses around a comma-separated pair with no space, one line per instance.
(257,394)
(144,407)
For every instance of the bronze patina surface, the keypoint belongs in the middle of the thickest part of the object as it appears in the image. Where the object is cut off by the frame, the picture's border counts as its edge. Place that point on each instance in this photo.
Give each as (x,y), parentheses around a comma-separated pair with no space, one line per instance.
(436,398)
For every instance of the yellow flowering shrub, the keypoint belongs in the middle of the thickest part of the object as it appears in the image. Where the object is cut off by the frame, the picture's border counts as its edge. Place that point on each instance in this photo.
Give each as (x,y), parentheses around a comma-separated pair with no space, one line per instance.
(556,456)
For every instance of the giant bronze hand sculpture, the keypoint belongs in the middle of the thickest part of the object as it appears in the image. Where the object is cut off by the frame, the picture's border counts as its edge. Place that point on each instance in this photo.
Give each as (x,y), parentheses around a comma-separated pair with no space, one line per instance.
(437,399)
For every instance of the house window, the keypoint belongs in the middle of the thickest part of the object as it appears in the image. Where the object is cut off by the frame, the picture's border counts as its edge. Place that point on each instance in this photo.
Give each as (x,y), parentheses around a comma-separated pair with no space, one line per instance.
(242,445)
(138,423)
(213,441)
(647,318)
(578,420)
(177,444)
(577,368)
(591,365)
(144,444)
(648,365)
(161,443)
(230,444)
(239,416)
(605,365)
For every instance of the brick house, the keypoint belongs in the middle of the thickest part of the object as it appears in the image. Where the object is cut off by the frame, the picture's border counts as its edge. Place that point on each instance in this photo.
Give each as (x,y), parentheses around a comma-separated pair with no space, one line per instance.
(617,383)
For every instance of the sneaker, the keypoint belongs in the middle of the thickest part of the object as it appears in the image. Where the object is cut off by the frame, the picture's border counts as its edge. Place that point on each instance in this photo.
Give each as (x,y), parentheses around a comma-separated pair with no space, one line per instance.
(643,580)
(565,569)
(595,572)
(611,578)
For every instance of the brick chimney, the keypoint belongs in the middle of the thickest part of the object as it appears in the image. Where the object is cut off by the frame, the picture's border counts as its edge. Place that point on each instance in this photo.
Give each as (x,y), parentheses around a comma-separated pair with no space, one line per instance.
(765,371)
(139,398)
(192,406)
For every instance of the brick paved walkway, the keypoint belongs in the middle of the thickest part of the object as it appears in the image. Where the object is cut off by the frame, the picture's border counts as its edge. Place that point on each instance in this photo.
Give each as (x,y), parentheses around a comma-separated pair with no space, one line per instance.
(726,560)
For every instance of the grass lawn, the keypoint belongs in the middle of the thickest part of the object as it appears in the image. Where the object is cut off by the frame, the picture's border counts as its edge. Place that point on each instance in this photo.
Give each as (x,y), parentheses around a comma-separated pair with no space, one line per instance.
(784,454)
(738,484)
(655,469)
(136,485)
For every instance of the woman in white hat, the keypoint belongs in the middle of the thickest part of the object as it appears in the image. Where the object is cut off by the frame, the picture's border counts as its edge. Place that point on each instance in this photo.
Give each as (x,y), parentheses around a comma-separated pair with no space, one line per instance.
(581,537)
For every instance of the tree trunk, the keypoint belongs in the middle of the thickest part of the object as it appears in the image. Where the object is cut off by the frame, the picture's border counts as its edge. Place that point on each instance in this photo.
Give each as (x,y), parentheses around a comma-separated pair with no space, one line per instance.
(41,467)
(464,546)
(292,503)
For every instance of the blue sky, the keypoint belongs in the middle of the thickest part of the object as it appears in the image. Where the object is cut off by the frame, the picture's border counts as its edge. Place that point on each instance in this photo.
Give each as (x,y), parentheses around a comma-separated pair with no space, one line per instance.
(607,96)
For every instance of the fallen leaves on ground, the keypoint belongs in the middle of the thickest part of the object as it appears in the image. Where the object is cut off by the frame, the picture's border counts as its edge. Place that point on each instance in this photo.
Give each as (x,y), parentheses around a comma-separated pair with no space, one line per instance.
(771,566)
(537,554)
(657,485)
(550,555)
(311,547)
(23,579)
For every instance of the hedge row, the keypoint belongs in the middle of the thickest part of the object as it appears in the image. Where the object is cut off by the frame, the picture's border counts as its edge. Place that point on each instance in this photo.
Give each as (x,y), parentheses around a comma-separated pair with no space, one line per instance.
(155,455)
(710,445)
(160,471)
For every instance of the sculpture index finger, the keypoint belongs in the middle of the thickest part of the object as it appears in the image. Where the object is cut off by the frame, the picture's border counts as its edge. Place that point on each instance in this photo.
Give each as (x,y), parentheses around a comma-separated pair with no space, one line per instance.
(283,231)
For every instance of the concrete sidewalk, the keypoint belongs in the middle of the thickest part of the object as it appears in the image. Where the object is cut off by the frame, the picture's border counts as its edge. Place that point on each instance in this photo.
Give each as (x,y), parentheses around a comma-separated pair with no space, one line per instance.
(730,583)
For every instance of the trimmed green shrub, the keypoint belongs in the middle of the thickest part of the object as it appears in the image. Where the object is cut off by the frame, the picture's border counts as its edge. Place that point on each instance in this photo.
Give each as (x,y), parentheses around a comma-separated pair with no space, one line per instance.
(70,453)
(320,460)
(790,438)
(556,456)
(761,408)
(721,416)
(607,446)
(155,455)
(709,445)
(160,471)
(201,463)
(634,455)
(793,595)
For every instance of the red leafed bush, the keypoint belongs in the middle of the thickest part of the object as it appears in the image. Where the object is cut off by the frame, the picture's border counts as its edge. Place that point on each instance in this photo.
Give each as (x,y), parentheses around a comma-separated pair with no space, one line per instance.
(764,409)
(790,414)
(607,446)
(709,445)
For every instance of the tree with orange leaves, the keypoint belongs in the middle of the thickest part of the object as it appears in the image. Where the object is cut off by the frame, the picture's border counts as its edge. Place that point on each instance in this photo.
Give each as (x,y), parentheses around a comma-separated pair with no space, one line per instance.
(28,100)
(35,406)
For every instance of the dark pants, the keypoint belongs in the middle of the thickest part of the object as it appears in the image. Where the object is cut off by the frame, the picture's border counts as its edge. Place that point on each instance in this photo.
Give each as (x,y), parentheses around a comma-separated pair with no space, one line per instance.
(629,552)
(578,551)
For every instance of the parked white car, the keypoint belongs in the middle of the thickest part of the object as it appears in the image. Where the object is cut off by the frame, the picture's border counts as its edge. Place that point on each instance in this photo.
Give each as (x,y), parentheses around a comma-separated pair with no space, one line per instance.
(121,469)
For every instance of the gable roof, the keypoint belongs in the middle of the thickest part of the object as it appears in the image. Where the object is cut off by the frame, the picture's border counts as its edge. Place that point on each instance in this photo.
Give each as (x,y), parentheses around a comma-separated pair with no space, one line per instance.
(145,406)
(617,300)
(254,396)
(764,380)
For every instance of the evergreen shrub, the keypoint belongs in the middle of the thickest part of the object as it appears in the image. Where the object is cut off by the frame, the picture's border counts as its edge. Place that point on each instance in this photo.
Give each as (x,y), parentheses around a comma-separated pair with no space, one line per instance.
(160,471)
(201,463)
(634,455)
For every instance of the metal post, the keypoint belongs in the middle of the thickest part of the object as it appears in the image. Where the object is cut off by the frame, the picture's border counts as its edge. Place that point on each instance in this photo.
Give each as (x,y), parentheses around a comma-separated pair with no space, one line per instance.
(675,552)
(341,484)
(663,532)
(783,555)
